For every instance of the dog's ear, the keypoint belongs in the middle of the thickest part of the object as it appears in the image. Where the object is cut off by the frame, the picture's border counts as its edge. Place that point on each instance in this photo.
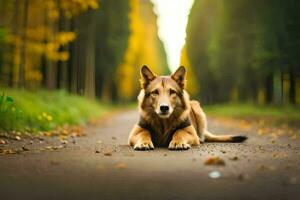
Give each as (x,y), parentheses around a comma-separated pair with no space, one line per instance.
(180,76)
(146,76)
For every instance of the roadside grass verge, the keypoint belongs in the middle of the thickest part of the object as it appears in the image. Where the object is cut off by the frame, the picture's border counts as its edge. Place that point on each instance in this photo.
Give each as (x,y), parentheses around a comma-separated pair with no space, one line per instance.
(277,115)
(41,110)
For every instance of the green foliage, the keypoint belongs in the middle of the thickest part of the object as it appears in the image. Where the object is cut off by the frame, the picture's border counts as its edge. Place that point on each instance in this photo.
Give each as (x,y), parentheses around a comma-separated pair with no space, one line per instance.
(5,103)
(2,34)
(236,47)
(112,31)
(44,110)
(274,114)
(250,110)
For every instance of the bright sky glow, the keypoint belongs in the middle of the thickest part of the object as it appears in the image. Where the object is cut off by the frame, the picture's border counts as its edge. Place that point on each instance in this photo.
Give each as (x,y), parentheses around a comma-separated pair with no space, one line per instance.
(172,21)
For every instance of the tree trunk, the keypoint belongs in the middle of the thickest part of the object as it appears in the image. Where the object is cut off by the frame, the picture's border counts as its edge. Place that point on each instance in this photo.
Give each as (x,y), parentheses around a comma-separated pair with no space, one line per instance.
(89,85)
(73,61)
(51,78)
(62,74)
(51,65)
(6,61)
(292,92)
(21,83)
(269,88)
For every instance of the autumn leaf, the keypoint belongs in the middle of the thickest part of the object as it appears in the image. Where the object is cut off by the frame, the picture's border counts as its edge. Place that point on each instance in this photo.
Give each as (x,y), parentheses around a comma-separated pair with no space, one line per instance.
(214,160)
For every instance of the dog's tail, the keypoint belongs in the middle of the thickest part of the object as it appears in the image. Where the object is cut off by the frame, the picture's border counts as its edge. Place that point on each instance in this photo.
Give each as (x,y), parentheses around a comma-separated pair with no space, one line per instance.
(209,137)
(199,121)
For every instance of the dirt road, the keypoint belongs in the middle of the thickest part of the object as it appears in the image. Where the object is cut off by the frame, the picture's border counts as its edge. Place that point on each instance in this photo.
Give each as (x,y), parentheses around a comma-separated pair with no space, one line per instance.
(102,166)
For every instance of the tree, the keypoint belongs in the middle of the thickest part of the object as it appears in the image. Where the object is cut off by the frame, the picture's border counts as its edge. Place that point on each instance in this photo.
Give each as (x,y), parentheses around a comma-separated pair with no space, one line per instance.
(245,51)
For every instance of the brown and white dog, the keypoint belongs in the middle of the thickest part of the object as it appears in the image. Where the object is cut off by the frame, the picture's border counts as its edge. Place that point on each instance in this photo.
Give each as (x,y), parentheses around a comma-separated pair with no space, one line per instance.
(168,117)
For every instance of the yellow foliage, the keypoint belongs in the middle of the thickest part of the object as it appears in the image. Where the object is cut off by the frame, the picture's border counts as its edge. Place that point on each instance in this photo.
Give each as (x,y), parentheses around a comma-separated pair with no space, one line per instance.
(64,38)
(33,75)
(192,83)
(142,49)
(41,36)
(64,55)
(75,7)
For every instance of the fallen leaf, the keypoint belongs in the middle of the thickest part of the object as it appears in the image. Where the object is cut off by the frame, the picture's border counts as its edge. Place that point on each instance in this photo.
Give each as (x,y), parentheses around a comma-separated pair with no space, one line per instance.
(65,132)
(50,147)
(60,146)
(63,137)
(214,160)
(3,142)
(64,141)
(25,148)
(97,151)
(120,165)
(53,147)
(46,133)
(273,141)
(261,132)
(9,151)
(99,142)
(18,137)
(234,158)
(54,163)
(108,153)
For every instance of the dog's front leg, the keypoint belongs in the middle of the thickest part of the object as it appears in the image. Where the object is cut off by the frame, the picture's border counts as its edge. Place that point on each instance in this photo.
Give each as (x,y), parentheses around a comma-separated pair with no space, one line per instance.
(140,139)
(183,139)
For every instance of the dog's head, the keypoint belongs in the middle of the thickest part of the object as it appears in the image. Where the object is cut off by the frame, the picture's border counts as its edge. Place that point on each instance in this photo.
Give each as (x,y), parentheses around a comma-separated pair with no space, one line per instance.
(162,95)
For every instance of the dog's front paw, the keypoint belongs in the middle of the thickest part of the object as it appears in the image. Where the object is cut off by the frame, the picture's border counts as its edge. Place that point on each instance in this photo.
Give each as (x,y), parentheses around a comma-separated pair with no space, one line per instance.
(143,146)
(179,145)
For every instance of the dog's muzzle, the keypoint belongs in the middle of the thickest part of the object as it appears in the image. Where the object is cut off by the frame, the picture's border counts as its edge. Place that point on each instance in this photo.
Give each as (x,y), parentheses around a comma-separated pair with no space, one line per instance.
(164,108)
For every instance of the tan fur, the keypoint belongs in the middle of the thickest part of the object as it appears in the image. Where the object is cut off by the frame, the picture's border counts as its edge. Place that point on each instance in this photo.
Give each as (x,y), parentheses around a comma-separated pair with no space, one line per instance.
(169,90)
(140,138)
(200,123)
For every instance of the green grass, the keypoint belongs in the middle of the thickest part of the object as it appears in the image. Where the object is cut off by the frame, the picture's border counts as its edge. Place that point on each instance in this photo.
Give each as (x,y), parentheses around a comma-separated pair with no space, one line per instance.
(287,114)
(44,110)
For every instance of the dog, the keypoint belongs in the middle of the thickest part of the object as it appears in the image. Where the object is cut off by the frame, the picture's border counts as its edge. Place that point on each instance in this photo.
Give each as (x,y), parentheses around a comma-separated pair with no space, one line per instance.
(168,118)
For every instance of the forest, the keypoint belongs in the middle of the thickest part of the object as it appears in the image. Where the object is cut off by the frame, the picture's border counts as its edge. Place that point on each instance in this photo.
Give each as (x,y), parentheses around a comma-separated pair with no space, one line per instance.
(245,51)
(89,52)
(87,47)
(235,51)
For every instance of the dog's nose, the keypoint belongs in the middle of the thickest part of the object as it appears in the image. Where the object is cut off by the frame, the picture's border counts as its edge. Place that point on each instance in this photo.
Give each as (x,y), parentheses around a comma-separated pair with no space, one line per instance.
(164,108)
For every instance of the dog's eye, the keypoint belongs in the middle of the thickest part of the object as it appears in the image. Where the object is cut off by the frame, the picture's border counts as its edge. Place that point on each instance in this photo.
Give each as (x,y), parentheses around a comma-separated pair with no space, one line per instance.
(172,92)
(155,92)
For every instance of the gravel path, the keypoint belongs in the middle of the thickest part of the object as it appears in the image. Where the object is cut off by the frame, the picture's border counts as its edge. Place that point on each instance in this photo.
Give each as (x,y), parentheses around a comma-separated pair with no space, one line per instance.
(102,166)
